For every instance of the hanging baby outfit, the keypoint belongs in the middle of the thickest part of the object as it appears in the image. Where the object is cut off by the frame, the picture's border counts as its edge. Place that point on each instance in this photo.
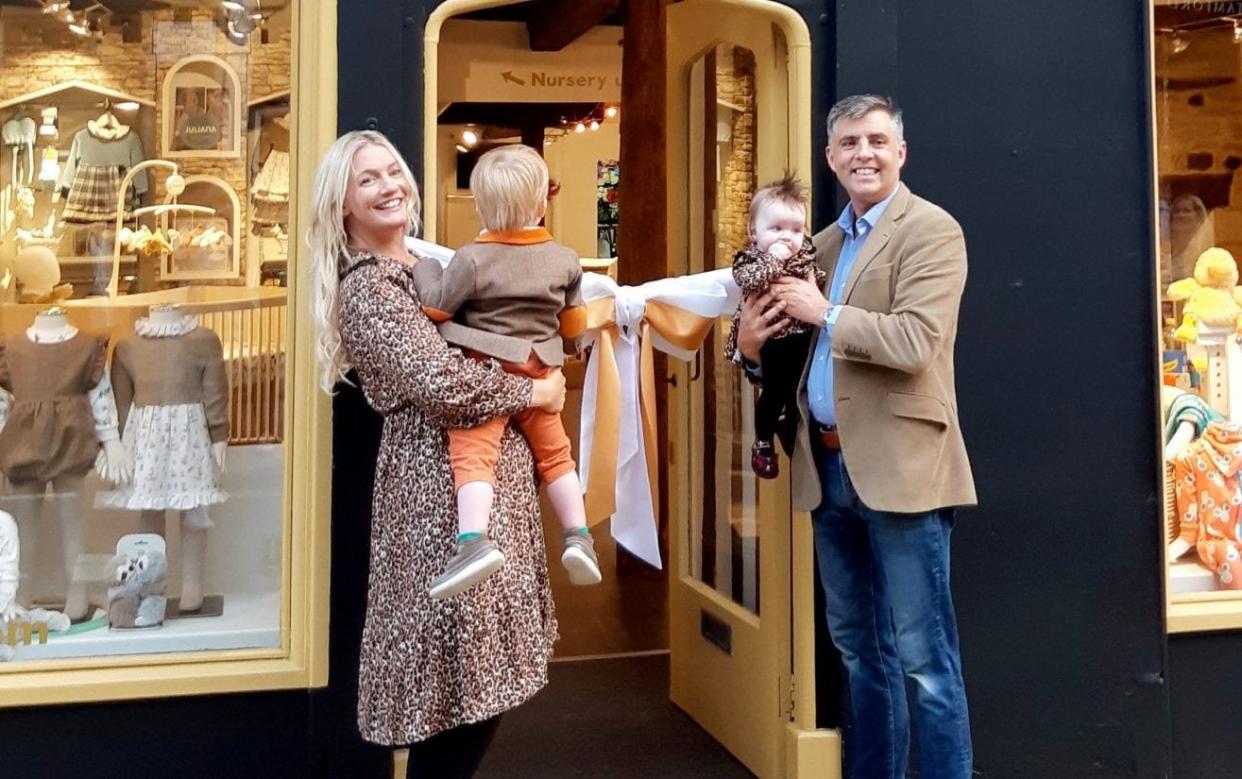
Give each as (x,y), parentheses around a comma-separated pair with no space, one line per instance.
(271,193)
(98,159)
(175,378)
(58,411)
(19,137)
(1209,502)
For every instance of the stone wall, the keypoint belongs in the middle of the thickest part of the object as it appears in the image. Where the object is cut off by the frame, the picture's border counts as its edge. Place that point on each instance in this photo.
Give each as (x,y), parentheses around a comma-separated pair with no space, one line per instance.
(37,51)
(735,95)
(1198,104)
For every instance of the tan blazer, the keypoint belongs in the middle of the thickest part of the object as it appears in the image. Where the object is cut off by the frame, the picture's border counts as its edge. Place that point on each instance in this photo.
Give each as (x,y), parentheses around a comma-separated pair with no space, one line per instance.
(507,295)
(892,361)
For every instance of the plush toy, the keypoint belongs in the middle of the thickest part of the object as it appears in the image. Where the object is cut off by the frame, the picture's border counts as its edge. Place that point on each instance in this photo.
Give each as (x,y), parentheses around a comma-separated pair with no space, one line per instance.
(1212,295)
(136,587)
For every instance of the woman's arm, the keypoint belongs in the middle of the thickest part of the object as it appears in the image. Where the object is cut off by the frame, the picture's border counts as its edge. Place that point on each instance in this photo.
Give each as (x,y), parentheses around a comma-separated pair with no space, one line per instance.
(402,360)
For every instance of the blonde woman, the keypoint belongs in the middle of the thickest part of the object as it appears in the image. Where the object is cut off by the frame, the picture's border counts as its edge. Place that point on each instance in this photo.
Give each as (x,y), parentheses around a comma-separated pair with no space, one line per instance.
(434,674)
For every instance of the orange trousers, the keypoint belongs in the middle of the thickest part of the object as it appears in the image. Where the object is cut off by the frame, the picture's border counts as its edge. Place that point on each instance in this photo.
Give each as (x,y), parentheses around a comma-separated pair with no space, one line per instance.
(474,451)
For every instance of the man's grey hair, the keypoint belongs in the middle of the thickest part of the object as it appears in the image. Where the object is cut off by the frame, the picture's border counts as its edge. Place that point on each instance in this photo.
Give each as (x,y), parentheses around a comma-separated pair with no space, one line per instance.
(858,106)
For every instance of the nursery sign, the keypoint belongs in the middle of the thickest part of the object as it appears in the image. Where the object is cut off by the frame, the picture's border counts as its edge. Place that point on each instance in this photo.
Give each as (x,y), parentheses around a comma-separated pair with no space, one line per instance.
(491,62)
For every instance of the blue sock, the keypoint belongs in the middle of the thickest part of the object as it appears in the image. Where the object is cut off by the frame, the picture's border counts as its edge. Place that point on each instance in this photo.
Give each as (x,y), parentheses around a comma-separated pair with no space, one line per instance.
(580,530)
(464,537)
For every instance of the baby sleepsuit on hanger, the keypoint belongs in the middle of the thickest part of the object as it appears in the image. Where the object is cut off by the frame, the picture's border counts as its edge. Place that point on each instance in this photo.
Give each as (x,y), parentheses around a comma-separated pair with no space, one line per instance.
(1209,501)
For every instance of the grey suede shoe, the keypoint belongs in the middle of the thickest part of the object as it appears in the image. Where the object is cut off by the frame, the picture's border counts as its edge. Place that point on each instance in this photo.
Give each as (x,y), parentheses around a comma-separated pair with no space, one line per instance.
(473,561)
(579,558)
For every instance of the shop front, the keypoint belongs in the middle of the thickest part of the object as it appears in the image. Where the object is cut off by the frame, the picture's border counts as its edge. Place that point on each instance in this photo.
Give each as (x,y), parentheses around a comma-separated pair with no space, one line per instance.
(154,177)
(165,513)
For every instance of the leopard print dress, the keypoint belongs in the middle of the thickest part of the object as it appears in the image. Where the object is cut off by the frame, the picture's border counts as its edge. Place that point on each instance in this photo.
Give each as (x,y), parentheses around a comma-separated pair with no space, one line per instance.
(429,665)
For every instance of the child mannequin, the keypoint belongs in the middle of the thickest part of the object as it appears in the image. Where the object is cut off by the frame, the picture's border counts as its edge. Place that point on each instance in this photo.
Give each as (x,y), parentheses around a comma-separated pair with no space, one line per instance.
(54,372)
(512,294)
(172,372)
(778,247)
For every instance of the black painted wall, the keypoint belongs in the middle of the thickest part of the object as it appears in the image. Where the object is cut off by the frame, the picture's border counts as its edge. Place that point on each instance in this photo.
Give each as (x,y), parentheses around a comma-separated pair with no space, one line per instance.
(1029,122)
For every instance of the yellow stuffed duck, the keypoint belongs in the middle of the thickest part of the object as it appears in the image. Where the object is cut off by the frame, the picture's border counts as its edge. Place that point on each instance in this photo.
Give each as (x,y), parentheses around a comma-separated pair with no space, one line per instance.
(1212,295)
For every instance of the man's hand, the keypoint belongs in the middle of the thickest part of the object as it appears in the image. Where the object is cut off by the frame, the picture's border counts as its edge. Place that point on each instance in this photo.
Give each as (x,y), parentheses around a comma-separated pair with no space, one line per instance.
(761,319)
(803,300)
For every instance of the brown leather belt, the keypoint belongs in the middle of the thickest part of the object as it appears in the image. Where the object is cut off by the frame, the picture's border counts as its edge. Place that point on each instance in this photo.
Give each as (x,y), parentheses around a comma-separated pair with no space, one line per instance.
(829,438)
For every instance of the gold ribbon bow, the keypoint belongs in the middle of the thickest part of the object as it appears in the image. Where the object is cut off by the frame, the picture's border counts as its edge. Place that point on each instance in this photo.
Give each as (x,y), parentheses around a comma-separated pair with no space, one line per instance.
(679,327)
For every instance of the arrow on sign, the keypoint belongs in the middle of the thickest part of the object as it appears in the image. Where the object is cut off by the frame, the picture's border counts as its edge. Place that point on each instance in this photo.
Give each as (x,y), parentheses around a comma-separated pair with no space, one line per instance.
(508,76)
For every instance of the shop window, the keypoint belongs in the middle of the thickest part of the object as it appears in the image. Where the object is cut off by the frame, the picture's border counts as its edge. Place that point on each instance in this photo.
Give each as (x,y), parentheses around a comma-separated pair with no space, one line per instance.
(145,350)
(1198,118)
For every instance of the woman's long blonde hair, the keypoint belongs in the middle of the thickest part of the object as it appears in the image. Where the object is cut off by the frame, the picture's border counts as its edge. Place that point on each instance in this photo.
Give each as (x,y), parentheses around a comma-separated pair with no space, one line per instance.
(329,244)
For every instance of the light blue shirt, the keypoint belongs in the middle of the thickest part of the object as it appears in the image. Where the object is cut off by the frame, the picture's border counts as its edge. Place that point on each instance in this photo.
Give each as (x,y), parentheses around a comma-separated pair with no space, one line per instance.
(819,380)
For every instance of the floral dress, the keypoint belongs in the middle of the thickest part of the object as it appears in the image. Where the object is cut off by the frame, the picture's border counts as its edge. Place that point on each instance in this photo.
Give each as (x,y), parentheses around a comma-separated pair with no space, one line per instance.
(171,390)
(429,665)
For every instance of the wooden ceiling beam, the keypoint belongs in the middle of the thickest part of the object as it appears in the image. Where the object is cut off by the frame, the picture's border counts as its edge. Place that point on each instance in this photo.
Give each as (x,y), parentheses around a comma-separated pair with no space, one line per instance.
(554,24)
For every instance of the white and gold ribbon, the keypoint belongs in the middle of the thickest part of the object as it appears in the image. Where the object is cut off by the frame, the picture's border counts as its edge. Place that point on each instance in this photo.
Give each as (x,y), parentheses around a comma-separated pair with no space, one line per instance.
(617,453)
(617,442)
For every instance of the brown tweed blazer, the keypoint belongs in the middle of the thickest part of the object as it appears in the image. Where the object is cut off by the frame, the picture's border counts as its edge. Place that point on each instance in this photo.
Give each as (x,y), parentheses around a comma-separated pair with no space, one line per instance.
(507,295)
(892,362)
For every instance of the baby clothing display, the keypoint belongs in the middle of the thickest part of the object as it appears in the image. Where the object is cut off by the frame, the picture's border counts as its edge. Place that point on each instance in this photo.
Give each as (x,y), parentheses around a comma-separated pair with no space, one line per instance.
(92,174)
(1188,407)
(10,565)
(1209,501)
(57,406)
(172,394)
(19,138)
(49,165)
(10,611)
(271,194)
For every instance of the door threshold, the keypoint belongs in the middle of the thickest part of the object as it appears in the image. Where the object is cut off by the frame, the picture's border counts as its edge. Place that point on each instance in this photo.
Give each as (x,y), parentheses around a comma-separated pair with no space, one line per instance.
(609,656)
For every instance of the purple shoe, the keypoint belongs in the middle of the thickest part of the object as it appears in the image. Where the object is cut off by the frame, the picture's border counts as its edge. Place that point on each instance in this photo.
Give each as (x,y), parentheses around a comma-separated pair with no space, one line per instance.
(763,460)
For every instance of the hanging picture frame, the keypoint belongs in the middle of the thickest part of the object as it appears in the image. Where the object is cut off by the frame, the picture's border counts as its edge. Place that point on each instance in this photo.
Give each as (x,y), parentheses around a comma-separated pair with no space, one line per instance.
(200,114)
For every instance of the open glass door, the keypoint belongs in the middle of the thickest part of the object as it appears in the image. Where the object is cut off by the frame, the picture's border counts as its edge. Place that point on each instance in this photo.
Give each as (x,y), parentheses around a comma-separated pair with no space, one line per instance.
(730,599)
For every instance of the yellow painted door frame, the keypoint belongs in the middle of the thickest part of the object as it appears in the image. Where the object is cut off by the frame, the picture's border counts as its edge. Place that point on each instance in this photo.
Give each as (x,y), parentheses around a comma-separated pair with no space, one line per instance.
(807,751)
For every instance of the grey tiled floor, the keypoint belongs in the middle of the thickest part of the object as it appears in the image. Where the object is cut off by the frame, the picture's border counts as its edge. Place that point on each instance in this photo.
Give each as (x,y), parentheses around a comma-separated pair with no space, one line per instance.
(604,719)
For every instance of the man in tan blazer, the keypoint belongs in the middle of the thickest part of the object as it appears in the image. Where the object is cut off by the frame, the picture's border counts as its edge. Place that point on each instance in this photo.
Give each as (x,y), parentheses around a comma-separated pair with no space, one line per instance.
(880,461)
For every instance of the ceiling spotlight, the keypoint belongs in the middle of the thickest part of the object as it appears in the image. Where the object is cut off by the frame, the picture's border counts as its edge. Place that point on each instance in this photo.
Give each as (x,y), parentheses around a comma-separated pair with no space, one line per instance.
(594,124)
(580,127)
(469,137)
(611,112)
(1180,43)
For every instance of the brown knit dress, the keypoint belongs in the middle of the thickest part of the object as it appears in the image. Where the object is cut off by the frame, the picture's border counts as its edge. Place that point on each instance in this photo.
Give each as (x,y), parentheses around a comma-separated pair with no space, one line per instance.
(50,431)
(429,665)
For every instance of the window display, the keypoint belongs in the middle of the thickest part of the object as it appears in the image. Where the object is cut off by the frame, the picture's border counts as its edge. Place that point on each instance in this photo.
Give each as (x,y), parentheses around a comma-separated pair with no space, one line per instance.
(1198,118)
(144,344)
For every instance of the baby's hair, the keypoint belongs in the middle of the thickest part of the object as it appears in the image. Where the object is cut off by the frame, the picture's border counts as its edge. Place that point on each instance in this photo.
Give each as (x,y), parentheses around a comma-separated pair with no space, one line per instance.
(787,189)
(510,187)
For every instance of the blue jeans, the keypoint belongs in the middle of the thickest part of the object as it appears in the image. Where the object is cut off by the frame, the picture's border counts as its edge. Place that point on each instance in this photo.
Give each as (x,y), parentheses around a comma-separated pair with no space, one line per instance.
(890,613)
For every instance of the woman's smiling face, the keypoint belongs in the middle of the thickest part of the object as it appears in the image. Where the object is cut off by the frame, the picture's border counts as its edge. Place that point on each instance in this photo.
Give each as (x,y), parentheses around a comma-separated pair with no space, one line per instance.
(377,196)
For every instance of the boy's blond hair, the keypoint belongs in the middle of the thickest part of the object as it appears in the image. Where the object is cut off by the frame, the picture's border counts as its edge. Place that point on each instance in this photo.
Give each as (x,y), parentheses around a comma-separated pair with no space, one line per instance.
(510,187)
(788,190)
